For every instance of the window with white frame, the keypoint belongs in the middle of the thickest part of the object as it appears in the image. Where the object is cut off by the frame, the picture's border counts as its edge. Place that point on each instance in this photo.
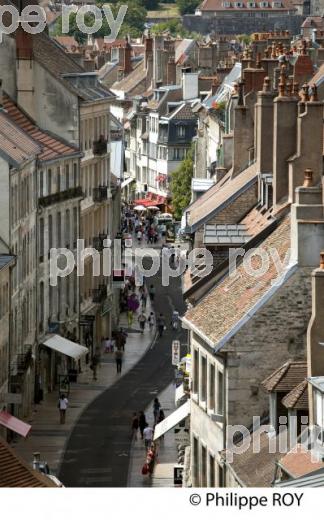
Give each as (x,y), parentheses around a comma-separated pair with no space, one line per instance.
(203,379)
(220,393)
(181,131)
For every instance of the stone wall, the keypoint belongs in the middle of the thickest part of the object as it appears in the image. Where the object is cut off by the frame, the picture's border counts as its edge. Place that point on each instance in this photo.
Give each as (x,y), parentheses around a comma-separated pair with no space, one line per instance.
(242,24)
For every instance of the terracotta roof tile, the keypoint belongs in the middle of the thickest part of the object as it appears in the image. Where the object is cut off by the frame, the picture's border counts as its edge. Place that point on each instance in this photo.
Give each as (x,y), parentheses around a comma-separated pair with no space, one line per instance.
(231,300)
(287,377)
(15,143)
(50,147)
(298,462)
(298,397)
(14,472)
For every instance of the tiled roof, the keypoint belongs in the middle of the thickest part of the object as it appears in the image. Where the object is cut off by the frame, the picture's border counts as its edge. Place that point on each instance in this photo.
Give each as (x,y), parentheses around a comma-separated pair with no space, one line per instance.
(67,41)
(256,469)
(185,112)
(287,377)
(313,22)
(14,472)
(6,260)
(298,462)
(219,195)
(218,5)
(49,147)
(15,145)
(298,397)
(132,80)
(233,299)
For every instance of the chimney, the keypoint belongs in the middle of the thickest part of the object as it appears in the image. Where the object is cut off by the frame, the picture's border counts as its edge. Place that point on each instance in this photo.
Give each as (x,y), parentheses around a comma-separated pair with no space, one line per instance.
(148,49)
(253,79)
(214,86)
(190,85)
(315,331)
(309,153)
(284,138)
(171,72)
(264,128)
(243,133)
(89,65)
(126,61)
(25,71)
(303,67)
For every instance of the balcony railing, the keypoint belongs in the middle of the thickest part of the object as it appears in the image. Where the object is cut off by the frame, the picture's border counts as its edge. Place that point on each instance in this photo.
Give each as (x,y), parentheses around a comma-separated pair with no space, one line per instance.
(99,147)
(100,194)
(61,196)
(99,294)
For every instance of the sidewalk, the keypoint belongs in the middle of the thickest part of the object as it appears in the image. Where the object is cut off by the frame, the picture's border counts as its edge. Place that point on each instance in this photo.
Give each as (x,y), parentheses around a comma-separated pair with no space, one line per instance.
(167,450)
(47,435)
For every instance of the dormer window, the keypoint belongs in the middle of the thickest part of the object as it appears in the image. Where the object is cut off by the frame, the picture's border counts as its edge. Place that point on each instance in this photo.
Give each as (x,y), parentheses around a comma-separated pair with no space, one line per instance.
(276,5)
(226,5)
(251,5)
(264,4)
(238,4)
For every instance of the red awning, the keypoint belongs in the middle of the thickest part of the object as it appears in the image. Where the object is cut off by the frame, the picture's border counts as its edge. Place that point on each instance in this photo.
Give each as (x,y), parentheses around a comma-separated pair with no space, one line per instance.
(12,423)
(152,200)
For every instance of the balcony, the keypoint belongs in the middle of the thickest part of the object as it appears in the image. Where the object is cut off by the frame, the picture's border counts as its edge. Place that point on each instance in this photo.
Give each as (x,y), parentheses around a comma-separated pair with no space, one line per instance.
(100,194)
(60,196)
(99,147)
(100,294)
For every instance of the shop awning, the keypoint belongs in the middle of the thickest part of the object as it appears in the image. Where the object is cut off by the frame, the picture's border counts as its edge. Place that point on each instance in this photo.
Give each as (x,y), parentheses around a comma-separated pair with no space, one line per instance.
(12,423)
(179,393)
(126,182)
(172,420)
(65,346)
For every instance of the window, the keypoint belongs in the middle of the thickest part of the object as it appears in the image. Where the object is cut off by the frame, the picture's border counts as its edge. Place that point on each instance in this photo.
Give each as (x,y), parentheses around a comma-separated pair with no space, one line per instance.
(178,154)
(226,4)
(318,405)
(58,230)
(50,233)
(263,4)
(49,181)
(276,5)
(41,240)
(58,179)
(220,476)
(195,462)
(203,472)
(75,175)
(181,131)
(41,306)
(211,391)
(67,177)
(67,295)
(211,471)
(41,184)
(75,227)
(196,372)
(203,379)
(251,5)
(67,229)
(220,393)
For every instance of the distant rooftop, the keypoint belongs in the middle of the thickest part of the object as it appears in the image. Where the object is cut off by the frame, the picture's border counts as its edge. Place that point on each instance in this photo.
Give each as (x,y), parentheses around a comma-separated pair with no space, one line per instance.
(6,260)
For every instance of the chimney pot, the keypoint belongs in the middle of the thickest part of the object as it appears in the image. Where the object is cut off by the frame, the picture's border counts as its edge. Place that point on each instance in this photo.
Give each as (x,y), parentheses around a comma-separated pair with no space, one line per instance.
(308,178)
(313,96)
(266,84)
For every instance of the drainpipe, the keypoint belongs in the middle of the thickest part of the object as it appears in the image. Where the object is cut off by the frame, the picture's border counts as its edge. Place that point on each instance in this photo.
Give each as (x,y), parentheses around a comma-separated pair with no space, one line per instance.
(224,413)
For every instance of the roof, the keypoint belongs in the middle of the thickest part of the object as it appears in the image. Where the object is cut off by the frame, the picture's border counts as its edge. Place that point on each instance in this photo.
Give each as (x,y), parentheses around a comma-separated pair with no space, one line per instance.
(298,462)
(132,80)
(235,299)
(287,377)
(256,469)
(226,87)
(218,5)
(182,50)
(6,260)
(184,113)
(311,480)
(48,147)
(15,145)
(14,472)
(316,22)
(220,195)
(67,41)
(297,397)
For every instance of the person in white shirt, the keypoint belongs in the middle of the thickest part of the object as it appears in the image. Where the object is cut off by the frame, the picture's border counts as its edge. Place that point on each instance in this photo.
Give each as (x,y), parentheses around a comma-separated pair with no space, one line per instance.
(62,406)
(148,435)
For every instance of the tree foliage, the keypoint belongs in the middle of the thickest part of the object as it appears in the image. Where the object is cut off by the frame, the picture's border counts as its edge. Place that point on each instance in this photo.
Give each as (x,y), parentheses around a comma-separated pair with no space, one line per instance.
(175,28)
(187,6)
(181,185)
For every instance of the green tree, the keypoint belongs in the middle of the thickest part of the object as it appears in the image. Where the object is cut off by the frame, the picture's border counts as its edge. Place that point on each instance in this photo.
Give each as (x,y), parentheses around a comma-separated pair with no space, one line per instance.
(187,6)
(181,185)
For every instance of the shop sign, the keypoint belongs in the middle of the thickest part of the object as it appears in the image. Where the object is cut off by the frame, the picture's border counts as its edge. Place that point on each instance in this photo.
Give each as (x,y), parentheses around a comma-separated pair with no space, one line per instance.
(175,352)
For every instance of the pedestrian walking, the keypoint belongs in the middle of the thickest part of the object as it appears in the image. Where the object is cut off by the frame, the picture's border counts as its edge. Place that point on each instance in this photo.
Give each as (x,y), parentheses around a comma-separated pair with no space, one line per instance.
(148,436)
(94,366)
(62,406)
(142,320)
(135,425)
(161,324)
(156,409)
(151,321)
(119,360)
(152,292)
(142,423)
(175,320)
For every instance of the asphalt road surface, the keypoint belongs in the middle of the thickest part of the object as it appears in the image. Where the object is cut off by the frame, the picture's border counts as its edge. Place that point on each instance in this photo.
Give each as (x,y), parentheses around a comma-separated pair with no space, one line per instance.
(97,453)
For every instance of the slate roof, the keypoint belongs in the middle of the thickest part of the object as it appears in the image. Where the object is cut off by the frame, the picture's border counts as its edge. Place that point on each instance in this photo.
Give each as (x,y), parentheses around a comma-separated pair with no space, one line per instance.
(220,195)
(47,146)
(15,146)
(298,397)
(286,377)
(6,260)
(184,113)
(14,472)
(132,80)
(232,301)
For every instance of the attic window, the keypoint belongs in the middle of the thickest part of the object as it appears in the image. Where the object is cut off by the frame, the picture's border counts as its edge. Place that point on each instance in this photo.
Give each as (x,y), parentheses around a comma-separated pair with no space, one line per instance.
(277,5)
(226,4)
(250,5)
(264,4)
(238,4)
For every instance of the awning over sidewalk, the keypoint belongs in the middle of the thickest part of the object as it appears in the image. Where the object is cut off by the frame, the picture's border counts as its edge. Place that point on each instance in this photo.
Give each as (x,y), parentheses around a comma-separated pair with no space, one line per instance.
(12,423)
(179,394)
(126,182)
(65,346)
(172,420)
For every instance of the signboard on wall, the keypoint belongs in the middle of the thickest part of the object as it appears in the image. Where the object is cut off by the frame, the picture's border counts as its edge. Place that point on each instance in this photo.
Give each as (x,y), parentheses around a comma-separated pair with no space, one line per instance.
(175,352)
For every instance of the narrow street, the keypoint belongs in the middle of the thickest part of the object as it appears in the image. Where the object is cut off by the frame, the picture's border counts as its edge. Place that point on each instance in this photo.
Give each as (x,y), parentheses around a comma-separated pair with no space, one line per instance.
(97,452)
